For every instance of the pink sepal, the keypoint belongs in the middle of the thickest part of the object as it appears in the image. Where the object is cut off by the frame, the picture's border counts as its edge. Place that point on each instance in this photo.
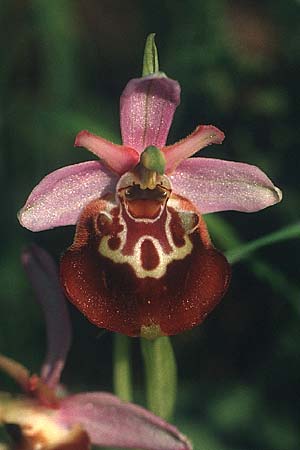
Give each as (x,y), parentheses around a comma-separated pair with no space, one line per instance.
(216,185)
(59,198)
(202,136)
(43,275)
(110,422)
(118,158)
(147,106)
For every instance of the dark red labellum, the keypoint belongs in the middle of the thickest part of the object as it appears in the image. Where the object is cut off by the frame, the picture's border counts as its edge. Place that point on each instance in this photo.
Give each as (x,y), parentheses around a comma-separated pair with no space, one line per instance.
(144,274)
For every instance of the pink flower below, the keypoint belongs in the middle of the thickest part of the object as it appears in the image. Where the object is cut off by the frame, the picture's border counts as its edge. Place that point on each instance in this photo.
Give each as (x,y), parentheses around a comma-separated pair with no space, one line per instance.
(40,418)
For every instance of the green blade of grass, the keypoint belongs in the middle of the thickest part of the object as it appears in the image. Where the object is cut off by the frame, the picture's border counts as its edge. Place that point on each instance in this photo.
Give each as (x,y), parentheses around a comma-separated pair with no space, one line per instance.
(227,237)
(243,251)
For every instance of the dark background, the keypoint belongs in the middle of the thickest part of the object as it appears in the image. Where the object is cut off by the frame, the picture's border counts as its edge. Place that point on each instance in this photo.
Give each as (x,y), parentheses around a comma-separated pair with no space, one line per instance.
(63,67)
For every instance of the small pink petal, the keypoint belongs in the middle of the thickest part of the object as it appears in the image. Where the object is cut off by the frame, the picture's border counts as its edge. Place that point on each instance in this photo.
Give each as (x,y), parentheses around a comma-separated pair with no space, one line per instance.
(147,106)
(59,198)
(202,136)
(43,275)
(118,158)
(216,185)
(110,422)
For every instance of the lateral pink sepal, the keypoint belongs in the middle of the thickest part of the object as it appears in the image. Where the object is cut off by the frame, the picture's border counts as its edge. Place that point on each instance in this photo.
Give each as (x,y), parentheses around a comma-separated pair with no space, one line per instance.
(216,185)
(202,136)
(119,158)
(59,197)
(113,423)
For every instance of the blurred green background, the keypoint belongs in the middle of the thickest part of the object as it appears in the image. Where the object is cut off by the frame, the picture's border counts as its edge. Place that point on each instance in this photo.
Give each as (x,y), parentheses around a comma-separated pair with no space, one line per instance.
(63,67)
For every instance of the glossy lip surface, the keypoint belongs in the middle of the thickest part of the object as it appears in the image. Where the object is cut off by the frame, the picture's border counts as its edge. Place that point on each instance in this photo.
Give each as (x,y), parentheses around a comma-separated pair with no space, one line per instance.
(144,204)
(163,272)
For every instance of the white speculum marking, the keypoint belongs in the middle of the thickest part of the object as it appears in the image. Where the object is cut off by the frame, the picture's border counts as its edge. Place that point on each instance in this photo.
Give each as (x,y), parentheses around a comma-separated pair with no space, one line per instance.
(135,260)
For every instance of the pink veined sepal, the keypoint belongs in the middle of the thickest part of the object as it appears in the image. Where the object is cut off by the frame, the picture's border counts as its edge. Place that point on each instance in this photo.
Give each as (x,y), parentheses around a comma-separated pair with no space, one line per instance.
(147,106)
(217,185)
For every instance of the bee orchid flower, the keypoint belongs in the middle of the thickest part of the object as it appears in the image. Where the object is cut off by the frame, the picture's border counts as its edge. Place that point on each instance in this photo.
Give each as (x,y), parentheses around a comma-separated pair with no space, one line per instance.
(142,262)
(43,419)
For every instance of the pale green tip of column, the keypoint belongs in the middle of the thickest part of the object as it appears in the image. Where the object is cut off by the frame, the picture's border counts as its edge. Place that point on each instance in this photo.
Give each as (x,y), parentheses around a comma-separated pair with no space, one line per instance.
(153,159)
(150,61)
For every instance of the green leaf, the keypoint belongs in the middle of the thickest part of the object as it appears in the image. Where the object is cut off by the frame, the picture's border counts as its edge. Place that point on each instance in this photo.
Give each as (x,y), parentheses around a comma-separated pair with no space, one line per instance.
(226,236)
(243,251)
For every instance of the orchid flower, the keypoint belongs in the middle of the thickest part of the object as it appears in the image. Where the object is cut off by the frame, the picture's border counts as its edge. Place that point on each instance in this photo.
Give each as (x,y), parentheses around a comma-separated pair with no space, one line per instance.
(142,262)
(41,419)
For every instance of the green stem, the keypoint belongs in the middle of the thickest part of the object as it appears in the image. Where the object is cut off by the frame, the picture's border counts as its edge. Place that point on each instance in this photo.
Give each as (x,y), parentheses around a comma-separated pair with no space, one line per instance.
(161,376)
(122,370)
